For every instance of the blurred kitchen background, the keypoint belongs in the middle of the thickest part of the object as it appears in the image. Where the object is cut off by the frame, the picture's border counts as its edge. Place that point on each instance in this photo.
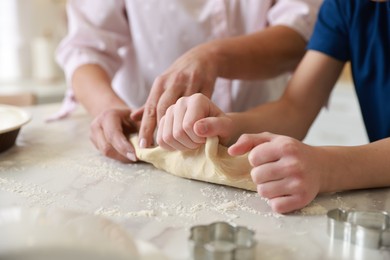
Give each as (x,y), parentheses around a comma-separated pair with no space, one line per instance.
(30,30)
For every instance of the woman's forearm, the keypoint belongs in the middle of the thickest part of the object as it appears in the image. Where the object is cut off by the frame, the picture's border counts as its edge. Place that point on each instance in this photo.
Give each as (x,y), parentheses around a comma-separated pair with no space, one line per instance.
(92,88)
(261,55)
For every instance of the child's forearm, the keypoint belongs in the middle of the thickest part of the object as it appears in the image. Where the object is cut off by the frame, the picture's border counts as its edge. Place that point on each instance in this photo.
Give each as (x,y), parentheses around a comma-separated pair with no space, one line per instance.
(272,117)
(358,167)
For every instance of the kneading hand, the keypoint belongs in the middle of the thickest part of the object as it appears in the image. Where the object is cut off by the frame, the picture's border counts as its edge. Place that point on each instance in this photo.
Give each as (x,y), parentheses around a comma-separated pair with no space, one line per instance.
(109,134)
(286,171)
(188,123)
(192,73)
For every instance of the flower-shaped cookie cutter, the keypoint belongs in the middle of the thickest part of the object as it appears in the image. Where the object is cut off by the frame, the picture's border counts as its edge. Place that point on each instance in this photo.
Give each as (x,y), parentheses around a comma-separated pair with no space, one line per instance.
(221,240)
(364,228)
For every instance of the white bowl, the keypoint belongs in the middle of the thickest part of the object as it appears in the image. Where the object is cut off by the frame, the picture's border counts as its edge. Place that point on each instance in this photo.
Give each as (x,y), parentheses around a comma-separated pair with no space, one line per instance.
(11,120)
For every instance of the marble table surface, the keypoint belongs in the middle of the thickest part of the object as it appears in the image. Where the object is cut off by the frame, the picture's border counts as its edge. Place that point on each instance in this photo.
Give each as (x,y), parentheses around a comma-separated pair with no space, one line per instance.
(54,165)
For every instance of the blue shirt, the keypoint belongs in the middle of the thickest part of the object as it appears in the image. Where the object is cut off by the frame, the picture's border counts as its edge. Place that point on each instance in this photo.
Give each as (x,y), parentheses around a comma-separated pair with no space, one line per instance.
(359,31)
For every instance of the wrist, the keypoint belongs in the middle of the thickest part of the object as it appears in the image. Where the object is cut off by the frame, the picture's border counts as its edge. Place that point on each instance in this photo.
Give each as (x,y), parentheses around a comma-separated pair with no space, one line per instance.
(216,57)
(335,173)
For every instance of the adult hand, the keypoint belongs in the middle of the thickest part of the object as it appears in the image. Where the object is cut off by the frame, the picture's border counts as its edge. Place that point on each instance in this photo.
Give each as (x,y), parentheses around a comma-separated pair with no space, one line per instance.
(286,171)
(194,72)
(188,123)
(109,134)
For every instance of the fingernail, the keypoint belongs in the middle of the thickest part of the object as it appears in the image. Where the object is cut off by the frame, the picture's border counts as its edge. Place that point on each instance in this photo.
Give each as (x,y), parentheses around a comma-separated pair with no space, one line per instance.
(131,157)
(142,143)
(202,128)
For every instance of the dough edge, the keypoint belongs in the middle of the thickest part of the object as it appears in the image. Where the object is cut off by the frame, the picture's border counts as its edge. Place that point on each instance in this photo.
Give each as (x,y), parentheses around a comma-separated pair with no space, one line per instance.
(209,163)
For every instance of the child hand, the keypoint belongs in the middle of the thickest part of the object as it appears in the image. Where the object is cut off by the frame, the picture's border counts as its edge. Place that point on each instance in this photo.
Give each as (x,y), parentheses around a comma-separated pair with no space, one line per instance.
(285,170)
(193,72)
(188,123)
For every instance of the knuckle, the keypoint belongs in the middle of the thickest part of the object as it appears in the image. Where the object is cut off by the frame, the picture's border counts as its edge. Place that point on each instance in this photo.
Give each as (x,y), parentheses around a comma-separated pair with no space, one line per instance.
(245,137)
(197,97)
(287,146)
(159,81)
(107,150)
(163,105)
(170,110)
(193,85)
(106,113)
(262,191)
(165,113)
(98,120)
(294,168)
(150,111)
(188,126)
(252,159)
(182,101)
(196,100)
(110,136)
(163,143)
(159,140)
(178,134)
(167,138)
(180,76)
(255,176)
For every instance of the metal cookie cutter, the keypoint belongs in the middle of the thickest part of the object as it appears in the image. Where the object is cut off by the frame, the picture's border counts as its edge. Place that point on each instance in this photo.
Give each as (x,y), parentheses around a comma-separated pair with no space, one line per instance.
(222,241)
(364,228)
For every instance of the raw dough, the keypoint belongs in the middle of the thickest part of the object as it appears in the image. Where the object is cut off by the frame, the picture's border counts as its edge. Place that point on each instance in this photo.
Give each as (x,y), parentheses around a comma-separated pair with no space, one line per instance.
(210,163)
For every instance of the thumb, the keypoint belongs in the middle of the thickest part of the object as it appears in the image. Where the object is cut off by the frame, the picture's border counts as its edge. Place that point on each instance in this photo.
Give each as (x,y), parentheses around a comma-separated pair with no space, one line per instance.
(214,126)
(247,142)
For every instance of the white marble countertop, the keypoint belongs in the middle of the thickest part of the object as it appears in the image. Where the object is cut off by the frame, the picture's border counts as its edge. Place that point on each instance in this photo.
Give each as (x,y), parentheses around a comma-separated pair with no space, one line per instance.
(54,165)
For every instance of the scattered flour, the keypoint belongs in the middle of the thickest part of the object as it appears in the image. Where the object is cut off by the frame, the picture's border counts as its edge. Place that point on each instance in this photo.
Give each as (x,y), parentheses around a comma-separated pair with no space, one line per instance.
(218,199)
(115,212)
(35,194)
(313,209)
(225,206)
(340,203)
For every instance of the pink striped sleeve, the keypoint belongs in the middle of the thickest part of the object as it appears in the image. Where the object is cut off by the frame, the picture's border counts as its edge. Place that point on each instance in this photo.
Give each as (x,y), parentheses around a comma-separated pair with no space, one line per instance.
(97,29)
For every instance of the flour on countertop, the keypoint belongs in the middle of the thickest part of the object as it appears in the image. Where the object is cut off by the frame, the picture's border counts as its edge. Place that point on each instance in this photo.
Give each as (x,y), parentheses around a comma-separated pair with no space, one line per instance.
(117,213)
(340,203)
(36,195)
(313,209)
(219,200)
(104,169)
(215,199)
